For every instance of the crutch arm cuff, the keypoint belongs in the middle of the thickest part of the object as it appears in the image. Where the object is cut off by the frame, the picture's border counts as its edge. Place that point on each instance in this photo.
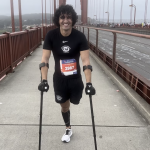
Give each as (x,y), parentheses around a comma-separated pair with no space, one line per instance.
(43,65)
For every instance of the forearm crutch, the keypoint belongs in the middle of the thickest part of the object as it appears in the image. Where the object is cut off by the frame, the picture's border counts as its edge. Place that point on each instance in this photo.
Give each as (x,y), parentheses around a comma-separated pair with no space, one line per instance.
(41,106)
(92,116)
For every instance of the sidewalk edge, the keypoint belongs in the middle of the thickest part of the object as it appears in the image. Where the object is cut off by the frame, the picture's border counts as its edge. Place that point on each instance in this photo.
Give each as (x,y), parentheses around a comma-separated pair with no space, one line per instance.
(140,104)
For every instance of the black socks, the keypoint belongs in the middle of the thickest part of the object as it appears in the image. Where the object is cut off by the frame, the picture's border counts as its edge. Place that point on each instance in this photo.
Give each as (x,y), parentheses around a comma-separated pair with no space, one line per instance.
(66,117)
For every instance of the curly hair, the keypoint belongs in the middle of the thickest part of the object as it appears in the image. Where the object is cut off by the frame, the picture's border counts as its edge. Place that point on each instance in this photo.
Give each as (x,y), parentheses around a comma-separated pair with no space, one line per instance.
(65,9)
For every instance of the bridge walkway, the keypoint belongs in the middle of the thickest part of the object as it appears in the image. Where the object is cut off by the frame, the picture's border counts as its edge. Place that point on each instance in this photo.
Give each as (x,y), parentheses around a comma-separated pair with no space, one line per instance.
(119,126)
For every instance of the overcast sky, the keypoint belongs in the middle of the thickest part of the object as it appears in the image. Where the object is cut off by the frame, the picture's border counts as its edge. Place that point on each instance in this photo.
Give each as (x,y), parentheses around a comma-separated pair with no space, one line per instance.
(34,6)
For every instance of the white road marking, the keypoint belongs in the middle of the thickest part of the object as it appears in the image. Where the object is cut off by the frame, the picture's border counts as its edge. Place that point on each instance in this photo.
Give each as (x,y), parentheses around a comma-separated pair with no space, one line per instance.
(140,64)
(127,46)
(126,60)
(120,58)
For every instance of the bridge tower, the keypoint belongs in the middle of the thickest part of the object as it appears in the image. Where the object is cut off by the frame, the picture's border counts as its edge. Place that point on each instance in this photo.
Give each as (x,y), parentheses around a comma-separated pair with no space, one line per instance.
(84,7)
(62,2)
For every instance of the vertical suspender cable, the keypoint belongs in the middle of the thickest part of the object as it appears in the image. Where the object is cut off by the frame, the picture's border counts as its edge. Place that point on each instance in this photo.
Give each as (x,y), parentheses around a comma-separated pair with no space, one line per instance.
(50,11)
(45,14)
(145,16)
(108,11)
(96,10)
(20,15)
(114,12)
(88,20)
(89,10)
(93,11)
(42,12)
(54,6)
(121,11)
(99,10)
(131,12)
(12,15)
(103,9)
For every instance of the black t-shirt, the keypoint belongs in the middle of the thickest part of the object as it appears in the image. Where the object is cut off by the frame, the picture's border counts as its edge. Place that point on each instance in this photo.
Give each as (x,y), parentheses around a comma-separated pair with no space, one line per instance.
(66,51)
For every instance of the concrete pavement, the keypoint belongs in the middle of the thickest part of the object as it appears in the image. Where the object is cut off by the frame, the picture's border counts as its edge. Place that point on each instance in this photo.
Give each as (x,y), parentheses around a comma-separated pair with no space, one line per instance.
(119,126)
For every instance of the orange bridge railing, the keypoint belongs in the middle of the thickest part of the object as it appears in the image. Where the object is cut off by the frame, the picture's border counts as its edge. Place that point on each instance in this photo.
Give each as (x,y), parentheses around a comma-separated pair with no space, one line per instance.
(14,47)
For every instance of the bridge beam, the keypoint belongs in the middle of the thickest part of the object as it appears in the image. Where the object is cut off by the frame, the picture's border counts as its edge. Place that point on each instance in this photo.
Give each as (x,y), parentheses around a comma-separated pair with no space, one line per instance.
(84,6)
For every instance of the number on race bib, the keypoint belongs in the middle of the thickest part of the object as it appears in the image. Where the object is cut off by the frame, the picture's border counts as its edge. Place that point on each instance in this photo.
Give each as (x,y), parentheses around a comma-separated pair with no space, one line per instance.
(68,67)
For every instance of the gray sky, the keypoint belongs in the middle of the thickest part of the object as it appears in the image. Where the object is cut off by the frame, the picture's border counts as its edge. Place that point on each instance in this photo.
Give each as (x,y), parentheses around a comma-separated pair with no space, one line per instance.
(34,6)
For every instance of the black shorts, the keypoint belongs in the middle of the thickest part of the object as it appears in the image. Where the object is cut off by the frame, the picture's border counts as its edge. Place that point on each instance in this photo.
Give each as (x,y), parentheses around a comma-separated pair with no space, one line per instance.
(68,89)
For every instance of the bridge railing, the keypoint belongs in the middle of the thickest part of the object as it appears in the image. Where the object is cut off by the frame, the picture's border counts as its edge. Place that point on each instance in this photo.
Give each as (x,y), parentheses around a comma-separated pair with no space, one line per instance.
(137,82)
(46,29)
(14,47)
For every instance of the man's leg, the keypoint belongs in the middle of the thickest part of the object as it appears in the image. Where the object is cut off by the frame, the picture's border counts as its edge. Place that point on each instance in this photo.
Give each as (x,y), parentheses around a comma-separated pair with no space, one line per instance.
(66,116)
(66,113)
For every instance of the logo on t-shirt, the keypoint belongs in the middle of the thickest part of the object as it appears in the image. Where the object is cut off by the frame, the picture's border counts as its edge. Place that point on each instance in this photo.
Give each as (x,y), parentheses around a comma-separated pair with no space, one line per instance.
(64,41)
(66,49)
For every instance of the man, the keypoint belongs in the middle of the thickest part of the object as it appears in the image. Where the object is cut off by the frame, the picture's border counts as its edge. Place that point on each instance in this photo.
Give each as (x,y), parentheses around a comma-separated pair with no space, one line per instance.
(67,45)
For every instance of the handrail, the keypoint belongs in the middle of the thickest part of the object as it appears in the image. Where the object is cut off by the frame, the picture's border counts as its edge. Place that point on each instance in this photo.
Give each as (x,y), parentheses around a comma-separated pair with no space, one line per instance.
(139,83)
(120,32)
(3,36)
(18,33)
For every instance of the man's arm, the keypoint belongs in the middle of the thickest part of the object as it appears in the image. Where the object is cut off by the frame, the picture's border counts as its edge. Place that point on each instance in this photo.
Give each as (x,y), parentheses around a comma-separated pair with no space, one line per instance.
(86,61)
(45,58)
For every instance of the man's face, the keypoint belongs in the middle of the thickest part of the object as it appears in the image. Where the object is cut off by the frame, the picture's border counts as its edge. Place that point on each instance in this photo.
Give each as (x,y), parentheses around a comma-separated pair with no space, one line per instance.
(65,21)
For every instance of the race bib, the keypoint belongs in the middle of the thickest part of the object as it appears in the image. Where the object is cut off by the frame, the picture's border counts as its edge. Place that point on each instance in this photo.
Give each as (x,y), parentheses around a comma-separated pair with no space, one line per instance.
(68,67)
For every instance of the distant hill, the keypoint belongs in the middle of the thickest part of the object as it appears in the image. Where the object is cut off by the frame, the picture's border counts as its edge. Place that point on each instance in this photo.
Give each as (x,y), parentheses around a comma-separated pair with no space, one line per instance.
(27,19)
(2,17)
(35,16)
(38,16)
(26,16)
